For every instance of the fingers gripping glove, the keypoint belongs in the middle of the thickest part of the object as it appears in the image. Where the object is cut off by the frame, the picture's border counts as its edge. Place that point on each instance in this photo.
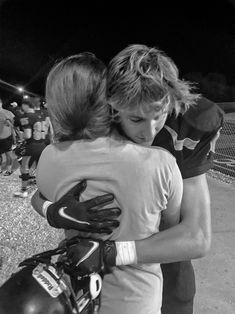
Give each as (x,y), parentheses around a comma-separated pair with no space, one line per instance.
(88,216)
(87,255)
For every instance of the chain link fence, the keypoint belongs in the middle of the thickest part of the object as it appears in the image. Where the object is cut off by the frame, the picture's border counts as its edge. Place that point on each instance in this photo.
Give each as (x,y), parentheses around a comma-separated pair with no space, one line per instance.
(225,147)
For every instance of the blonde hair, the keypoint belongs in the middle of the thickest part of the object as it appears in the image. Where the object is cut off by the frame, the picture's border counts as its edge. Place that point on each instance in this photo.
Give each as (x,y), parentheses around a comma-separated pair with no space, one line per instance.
(144,77)
(76,98)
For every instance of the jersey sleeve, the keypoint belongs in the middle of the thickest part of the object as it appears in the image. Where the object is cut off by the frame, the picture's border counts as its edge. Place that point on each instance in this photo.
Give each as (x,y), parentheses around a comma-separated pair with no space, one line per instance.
(199,160)
(191,137)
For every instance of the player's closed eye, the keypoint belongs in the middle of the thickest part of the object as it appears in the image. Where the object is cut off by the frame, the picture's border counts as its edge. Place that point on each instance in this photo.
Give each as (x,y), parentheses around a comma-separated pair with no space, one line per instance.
(136,120)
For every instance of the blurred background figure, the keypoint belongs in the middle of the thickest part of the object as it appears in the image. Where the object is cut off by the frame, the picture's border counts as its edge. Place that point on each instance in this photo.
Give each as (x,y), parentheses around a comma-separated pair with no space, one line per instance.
(7,138)
(34,128)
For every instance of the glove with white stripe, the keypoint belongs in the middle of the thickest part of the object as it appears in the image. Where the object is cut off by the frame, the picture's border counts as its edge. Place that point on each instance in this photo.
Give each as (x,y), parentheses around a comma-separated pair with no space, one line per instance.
(86,256)
(88,216)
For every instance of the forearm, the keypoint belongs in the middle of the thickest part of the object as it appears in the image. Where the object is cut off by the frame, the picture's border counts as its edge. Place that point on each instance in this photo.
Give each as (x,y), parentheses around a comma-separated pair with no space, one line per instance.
(178,243)
(37,202)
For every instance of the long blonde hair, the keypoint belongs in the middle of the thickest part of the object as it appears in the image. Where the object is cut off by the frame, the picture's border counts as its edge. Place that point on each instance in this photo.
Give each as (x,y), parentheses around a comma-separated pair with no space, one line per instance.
(76,98)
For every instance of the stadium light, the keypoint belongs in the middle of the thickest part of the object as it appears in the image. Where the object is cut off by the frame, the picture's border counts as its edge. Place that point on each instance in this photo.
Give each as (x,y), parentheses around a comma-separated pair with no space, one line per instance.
(20,89)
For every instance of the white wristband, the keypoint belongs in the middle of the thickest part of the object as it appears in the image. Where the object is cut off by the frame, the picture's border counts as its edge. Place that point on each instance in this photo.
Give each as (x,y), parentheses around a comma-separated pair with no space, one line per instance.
(126,253)
(45,206)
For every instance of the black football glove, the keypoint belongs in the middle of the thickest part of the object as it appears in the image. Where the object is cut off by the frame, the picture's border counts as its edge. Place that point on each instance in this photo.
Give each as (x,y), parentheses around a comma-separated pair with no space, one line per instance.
(88,216)
(86,256)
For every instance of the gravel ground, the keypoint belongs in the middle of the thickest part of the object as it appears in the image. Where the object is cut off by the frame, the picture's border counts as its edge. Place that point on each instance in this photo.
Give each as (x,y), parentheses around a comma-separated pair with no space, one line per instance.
(23,232)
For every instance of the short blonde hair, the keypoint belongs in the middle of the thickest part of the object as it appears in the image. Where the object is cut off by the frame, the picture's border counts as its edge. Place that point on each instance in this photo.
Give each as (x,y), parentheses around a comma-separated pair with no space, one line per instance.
(144,77)
(76,98)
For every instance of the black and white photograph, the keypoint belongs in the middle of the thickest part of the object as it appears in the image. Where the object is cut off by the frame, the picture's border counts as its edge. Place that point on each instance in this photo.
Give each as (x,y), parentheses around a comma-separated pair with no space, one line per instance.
(117,157)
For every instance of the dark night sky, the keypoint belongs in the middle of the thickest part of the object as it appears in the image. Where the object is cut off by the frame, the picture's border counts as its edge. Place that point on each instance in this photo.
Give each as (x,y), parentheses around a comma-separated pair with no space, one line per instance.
(198,35)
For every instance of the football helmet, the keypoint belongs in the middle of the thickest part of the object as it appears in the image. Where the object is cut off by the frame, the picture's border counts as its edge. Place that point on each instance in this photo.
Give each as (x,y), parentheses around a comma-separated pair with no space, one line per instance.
(44,287)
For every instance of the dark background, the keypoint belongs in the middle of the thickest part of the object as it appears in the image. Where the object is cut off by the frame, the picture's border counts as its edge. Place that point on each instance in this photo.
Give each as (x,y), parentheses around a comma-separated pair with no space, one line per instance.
(198,35)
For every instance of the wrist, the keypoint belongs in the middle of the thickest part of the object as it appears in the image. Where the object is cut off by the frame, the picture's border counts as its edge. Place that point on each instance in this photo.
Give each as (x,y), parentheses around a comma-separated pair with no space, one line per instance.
(110,253)
(45,206)
(126,253)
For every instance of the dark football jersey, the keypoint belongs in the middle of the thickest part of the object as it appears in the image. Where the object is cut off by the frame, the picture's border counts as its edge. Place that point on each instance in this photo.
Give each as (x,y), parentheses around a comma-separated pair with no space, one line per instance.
(189,137)
(44,111)
(34,126)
